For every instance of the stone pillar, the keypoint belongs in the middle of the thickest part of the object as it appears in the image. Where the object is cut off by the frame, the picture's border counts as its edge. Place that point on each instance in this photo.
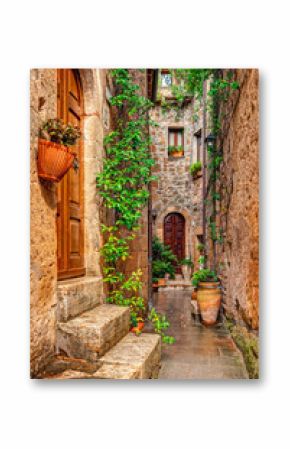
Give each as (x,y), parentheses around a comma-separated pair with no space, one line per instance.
(43,93)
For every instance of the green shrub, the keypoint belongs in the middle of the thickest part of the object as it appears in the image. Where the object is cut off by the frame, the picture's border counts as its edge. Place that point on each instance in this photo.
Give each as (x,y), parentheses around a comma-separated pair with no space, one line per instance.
(163,260)
(195,168)
(204,275)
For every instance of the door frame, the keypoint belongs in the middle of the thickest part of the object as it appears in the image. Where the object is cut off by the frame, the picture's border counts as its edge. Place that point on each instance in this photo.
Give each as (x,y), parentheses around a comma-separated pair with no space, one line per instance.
(175,214)
(67,273)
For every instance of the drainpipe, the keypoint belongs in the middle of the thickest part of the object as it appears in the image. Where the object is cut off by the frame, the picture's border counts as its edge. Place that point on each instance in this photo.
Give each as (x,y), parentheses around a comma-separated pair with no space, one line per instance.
(203,143)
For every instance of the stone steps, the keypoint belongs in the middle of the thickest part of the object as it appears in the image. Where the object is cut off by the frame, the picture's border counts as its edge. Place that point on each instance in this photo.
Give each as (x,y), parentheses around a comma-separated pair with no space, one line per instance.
(93,333)
(140,353)
(78,295)
(134,357)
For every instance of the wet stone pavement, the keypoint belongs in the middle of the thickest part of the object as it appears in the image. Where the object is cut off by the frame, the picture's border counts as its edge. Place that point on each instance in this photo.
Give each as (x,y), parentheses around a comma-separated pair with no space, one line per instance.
(199,352)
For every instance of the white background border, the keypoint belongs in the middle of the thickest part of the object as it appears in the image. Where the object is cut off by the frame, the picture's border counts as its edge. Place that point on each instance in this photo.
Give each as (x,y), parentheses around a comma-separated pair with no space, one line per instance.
(212,33)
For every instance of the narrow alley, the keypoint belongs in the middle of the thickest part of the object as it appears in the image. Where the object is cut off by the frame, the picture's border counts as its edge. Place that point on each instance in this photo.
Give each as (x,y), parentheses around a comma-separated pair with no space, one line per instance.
(199,352)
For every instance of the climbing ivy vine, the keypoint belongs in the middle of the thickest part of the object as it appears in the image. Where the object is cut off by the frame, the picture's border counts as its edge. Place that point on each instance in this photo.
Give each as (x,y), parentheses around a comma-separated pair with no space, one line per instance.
(123,184)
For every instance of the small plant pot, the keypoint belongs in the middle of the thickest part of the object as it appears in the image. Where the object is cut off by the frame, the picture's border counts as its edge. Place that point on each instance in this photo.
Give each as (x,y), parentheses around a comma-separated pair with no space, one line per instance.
(194,295)
(197,174)
(176,154)
(137,329)
(161,282)
(53,160)
(209,301)
(186,271)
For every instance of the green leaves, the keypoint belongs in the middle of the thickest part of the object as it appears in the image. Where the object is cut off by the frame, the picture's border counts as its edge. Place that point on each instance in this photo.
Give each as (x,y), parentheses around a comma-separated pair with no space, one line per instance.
(123,184)
(204,275)
(160,324)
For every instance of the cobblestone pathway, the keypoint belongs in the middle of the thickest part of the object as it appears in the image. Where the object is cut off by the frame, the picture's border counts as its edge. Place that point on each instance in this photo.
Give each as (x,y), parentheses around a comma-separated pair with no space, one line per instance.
(199,352)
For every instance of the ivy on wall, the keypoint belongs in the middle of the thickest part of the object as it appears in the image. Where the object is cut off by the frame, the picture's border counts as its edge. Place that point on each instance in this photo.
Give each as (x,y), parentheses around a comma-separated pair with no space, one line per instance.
(123,184)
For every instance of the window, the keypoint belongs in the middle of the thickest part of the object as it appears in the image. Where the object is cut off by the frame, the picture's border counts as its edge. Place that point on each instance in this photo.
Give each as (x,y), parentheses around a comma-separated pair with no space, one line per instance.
(166,78)
(175,142)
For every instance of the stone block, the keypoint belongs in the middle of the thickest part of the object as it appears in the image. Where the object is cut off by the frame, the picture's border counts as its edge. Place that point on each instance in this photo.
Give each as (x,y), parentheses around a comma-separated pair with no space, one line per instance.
(78,295)
(93,333)
(142,353)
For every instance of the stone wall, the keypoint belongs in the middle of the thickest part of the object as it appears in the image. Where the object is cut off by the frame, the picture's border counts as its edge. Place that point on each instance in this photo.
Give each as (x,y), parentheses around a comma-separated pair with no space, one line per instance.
(43,91)
(175,190)
(238,255)
(49,297)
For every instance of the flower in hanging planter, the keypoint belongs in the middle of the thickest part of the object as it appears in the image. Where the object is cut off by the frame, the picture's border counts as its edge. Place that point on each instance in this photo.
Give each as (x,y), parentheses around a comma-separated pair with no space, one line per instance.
(54,157)
(54,130)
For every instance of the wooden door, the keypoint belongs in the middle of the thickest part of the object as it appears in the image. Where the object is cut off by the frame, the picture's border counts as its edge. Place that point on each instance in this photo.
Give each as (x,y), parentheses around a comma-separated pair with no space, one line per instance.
(174,235)
(70,221)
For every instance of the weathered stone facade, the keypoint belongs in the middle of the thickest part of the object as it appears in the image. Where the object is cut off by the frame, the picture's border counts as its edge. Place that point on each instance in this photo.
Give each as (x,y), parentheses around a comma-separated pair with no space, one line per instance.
(238,254)
(44,296)
(55,301)
(43,89)
(175,190)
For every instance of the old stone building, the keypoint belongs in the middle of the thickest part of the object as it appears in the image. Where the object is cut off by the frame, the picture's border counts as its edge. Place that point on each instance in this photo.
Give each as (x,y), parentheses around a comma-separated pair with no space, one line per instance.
(67,293)
(69,316)
(176,195)
(237,256)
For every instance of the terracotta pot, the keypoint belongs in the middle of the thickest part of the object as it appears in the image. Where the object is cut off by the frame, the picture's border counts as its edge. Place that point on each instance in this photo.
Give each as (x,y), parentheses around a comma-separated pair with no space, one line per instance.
(176,154)
(194,295)
(161,282)
(197,174)
(138,328)
(209,301)
(53,160)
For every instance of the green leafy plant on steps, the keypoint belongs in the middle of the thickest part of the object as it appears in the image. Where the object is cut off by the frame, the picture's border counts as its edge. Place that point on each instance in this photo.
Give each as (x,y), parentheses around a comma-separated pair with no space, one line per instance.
(123,185)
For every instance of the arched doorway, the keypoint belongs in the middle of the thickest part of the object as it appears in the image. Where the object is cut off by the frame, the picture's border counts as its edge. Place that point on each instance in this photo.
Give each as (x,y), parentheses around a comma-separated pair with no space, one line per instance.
(70,210)
(174,235)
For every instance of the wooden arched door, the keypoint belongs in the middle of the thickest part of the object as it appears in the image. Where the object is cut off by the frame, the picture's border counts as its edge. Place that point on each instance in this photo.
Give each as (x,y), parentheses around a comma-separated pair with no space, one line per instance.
(70,221)
(174,235)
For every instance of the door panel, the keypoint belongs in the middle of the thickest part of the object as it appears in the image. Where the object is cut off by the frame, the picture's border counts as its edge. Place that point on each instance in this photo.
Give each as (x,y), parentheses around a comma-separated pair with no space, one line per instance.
(70,234)
(174,235)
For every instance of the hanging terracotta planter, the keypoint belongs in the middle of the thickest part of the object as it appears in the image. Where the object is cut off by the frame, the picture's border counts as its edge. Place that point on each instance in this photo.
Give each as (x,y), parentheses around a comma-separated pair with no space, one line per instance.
(209,301)
(53,160)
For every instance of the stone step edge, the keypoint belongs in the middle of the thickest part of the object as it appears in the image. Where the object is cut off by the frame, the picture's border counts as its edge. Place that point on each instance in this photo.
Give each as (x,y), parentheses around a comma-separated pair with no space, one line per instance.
(74,342)
(146,359)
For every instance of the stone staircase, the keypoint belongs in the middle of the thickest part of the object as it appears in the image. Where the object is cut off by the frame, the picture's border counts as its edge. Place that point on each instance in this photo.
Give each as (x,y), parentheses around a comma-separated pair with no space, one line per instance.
(96,343)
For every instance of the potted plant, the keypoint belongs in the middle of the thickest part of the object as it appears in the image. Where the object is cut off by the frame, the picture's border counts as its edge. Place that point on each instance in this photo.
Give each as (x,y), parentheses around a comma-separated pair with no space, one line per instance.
(163,261)
(208,294)
(55,156)
(137,324)
(186,268)
(175,150)
(195,170)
